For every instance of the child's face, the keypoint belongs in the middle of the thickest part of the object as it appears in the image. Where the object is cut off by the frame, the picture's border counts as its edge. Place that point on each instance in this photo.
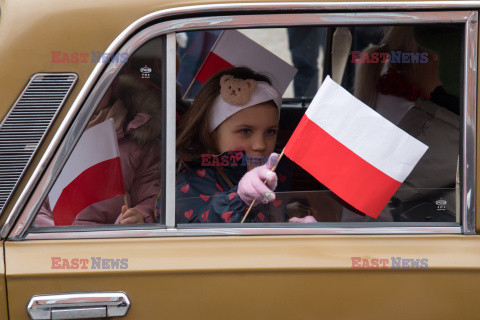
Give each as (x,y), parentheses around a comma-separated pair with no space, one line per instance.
(253,129)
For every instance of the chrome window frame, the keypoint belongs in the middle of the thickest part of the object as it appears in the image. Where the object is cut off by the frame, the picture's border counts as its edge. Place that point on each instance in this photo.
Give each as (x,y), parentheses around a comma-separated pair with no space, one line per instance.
(26,206)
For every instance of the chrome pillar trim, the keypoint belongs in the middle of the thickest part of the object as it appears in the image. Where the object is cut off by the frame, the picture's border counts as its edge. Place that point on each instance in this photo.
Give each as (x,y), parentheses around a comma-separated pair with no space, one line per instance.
(81,305)
(170,122)
(242,21)
(261,231)
(469,165)
(30,207)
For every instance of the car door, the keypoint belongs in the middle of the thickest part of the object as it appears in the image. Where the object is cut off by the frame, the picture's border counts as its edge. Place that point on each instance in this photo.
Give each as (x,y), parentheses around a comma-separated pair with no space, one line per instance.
(335,268)
(4,292)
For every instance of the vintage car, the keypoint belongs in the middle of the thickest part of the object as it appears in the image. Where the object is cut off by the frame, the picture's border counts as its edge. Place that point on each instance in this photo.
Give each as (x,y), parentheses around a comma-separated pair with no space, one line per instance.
(64,62)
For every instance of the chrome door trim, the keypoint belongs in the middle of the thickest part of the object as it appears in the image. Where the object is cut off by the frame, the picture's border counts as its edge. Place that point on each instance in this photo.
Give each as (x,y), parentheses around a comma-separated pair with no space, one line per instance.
(261,231)
(78,305)
(240,21)
(468,164)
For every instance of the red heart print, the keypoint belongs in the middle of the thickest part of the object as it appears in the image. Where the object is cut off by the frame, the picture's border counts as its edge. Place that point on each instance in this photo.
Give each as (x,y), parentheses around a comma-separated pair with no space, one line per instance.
(201,173)
(282,177)
(205,215)
(219,187)
(227,216)
(204,197)
(276,203)
(261,216)
(232,195)
(184,189)
(188,214)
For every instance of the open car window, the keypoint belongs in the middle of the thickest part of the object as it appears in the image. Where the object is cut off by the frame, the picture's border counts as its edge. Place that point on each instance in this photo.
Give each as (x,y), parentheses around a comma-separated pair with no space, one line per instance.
(404,75)
(407,78)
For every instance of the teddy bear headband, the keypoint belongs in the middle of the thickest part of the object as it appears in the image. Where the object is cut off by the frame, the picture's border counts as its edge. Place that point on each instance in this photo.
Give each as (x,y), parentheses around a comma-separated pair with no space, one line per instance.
(238,94)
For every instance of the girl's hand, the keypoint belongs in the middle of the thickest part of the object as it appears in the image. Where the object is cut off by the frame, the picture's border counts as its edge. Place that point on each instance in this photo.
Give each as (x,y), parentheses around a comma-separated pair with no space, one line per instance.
(252,187)
(131,216)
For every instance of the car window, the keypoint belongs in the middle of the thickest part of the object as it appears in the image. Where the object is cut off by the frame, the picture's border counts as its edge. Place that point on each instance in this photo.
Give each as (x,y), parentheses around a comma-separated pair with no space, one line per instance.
(113,174)
(241,95)
(407,75)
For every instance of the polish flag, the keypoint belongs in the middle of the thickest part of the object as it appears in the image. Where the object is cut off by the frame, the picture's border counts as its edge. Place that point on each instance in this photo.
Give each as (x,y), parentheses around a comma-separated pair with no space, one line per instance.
(233,49)
(351,149)
(93,173)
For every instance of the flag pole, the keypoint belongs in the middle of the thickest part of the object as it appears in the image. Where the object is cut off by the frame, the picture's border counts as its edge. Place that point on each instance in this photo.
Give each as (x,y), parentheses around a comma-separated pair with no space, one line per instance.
(188,89)
(196,74)
(193,80)
(254,200)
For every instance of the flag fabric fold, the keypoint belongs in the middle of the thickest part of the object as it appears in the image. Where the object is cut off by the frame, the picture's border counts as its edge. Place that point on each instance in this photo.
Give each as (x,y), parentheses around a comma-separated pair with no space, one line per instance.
(234,49)
(351,149)
(92,173)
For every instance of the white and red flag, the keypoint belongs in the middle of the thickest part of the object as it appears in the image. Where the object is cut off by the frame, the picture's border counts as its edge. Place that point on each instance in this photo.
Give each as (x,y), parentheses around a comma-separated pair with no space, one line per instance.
(234,49)
(351,149)
(93,173)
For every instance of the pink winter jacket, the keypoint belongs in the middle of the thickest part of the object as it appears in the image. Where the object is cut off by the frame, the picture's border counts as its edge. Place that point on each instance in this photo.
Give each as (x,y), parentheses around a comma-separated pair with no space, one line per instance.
(139,145)
(140,166)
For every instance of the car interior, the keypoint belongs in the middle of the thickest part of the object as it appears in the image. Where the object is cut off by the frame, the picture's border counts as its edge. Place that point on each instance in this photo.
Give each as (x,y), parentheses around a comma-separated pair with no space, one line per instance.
(338,52)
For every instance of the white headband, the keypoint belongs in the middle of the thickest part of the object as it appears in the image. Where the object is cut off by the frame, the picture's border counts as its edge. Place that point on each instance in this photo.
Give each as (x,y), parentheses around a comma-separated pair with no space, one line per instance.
(222,110)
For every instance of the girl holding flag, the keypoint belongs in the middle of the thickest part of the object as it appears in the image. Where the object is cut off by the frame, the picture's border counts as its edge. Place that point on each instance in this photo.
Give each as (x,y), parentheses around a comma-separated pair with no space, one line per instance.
(133,106)
(235,113)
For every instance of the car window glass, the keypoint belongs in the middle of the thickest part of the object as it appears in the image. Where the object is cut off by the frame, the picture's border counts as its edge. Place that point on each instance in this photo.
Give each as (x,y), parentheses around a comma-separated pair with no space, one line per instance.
(408,75)
(112,176)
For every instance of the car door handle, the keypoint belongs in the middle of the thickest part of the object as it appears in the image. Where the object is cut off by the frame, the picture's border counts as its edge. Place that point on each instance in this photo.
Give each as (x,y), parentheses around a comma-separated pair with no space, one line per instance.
(80,305)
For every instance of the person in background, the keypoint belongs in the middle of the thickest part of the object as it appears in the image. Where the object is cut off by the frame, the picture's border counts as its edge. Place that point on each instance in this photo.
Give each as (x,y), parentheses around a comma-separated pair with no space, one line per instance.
(305,44)
(394,92)
(391,87)
(420,97)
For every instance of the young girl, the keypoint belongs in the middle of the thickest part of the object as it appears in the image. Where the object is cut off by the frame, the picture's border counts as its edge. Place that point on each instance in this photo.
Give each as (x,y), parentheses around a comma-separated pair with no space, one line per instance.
(134,107)
(233,120)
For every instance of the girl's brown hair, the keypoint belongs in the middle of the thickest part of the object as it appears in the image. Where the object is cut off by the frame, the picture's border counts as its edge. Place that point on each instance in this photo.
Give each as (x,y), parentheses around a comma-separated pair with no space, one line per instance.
(194,137)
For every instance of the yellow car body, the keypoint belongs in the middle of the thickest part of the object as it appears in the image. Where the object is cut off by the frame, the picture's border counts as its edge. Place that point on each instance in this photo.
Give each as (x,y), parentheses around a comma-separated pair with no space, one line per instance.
(262,275)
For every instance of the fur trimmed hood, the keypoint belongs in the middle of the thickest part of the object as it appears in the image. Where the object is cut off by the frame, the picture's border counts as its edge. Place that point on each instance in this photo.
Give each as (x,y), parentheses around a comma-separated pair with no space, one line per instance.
(142,101)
